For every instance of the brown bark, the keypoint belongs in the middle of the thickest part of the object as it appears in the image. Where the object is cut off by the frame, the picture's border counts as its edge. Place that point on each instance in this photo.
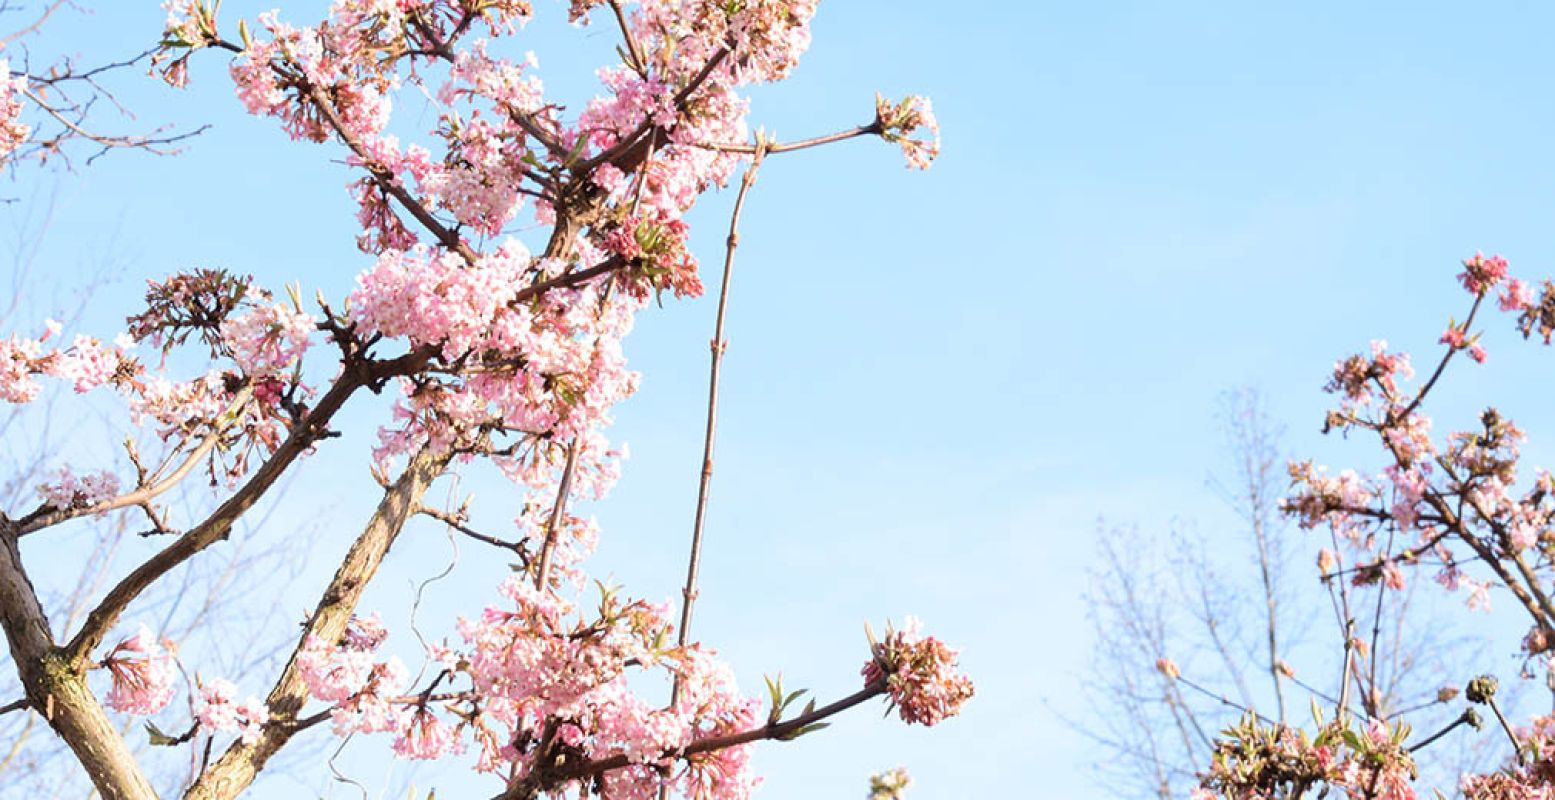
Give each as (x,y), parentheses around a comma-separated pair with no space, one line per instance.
(57,689)
(236,769)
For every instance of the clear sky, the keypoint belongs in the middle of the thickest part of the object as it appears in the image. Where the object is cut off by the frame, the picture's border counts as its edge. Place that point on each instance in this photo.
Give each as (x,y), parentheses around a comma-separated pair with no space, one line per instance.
(938,382)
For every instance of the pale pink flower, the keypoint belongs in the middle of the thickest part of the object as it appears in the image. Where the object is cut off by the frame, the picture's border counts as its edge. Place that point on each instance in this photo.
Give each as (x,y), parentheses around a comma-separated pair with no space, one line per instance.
(1516,296)
(219,711)
(69,490)
(143,670)
(12,133)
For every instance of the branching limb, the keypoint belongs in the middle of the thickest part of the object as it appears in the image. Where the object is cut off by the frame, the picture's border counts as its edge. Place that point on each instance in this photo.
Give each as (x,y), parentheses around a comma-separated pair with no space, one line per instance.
(774,730)
(230,774)
(216,527)
(147,491)
(58,688)
(457,522)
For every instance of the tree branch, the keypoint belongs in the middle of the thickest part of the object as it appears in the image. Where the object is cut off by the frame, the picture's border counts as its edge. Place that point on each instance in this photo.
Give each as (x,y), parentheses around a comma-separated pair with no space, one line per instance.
(718,345)
(237,767)
(772,730)
(57,686)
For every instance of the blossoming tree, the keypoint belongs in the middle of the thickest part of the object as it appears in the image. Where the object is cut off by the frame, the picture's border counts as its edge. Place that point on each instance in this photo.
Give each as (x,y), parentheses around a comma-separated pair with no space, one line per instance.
(1461,506)
(496,354)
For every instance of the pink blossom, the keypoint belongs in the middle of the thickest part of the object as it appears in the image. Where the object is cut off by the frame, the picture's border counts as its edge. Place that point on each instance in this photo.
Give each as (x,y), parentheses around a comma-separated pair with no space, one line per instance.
(1516,296)
(267,340)
(12,133)
(919,675)
(18,363)
(1481,274)
(219,711)
(143,670)
(424,736)
(79,491)
(86,363)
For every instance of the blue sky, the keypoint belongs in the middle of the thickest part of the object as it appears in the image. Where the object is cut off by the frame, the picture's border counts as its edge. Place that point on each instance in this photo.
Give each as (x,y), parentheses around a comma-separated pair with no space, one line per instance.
(938,382)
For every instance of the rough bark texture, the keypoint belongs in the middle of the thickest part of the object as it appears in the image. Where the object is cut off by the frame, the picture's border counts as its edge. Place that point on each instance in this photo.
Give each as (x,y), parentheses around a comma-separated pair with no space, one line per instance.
(236,769)
(56,689)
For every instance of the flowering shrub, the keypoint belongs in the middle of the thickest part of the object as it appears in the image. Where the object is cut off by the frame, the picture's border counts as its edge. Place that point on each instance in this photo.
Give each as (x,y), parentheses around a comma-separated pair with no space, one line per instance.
(494,353)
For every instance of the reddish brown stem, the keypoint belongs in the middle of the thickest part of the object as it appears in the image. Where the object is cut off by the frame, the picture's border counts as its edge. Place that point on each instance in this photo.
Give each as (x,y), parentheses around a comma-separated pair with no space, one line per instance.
(718,345)
(774,148)
(543,574)
(772,730)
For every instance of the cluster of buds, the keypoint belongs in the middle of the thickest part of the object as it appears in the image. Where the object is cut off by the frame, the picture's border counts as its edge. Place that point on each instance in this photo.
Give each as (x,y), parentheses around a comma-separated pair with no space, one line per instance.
(918,672)
(898,123)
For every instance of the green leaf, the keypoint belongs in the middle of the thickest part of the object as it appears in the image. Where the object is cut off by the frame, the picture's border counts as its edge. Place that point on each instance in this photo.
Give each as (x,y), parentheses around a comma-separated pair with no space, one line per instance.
(577,149)
(158,738)
(802,730)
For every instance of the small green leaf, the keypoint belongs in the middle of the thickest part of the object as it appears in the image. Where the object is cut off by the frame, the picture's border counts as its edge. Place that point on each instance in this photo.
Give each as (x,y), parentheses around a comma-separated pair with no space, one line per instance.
(158,738)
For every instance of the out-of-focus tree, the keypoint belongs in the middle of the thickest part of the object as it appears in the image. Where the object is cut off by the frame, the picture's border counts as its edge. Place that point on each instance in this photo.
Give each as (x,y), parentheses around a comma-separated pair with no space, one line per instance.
(1460,507)
(1195,631)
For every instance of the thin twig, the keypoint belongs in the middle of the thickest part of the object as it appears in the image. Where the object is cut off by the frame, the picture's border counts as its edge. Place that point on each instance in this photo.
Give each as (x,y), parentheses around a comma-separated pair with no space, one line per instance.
(543,574)
(457,523)
(143,495)
(718,345)
(1466,718)
(639,63)
(802,144)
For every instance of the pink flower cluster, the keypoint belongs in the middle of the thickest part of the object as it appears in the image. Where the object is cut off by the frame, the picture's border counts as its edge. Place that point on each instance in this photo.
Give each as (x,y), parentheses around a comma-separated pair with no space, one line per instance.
(1481,274)
(143,670)
(86,363)
(79,491)
(267,340)
(12,132)
(919,675)
(349,675)
(899,123)
(543,687)
(219,711)
(555,367)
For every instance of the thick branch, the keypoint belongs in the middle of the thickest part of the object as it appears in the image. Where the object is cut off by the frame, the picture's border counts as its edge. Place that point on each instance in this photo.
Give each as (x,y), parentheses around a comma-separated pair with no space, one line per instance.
(57,687)
(231,774)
